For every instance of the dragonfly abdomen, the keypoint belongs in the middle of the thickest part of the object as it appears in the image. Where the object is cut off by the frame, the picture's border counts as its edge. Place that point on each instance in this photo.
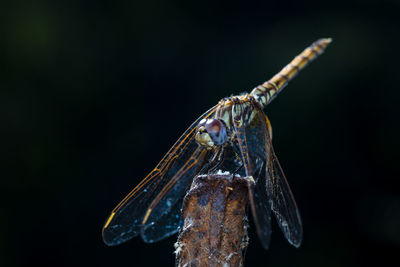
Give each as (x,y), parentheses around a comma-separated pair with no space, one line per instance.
(266,92)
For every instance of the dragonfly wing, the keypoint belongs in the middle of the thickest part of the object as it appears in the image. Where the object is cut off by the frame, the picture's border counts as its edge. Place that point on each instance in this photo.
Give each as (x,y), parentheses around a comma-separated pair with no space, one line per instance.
(283,204)
(125,221)
(272,191)
(163,216)
(261,211)
(250,133)
(167,225)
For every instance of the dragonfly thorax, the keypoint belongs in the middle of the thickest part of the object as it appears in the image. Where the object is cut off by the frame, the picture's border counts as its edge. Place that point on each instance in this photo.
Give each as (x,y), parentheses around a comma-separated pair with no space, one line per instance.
(211,133)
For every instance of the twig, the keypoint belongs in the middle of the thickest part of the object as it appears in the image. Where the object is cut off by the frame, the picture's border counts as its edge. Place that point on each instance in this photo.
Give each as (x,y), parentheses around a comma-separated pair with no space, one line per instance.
(215,222)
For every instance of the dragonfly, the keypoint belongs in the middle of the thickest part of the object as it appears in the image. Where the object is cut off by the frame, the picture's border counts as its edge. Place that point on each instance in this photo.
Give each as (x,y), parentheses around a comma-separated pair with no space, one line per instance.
(233,136)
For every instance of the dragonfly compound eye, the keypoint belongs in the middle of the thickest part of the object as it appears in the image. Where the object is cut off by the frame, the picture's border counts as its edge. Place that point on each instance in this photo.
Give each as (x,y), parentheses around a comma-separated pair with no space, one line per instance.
(211,133)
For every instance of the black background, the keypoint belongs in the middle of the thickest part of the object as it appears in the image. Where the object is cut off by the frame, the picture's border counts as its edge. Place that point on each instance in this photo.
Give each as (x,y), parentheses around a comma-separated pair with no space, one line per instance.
(93,93)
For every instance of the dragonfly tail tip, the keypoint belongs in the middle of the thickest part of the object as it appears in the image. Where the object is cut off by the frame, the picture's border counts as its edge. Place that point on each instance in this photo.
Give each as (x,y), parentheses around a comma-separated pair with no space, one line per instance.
(325,41)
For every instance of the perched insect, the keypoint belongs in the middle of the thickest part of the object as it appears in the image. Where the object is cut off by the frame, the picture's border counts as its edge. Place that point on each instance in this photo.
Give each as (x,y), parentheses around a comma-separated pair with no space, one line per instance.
(234,136)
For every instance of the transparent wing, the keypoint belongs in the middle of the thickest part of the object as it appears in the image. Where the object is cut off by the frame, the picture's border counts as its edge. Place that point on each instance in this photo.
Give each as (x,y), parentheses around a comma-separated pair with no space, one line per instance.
(283,204)
(163,216)
(272,191)
(250,137)
(125,221)
(167,225)
(261,211)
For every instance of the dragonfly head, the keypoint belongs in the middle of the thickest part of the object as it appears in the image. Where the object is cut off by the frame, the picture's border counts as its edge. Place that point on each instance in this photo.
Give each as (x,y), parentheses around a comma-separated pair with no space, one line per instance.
(211,133)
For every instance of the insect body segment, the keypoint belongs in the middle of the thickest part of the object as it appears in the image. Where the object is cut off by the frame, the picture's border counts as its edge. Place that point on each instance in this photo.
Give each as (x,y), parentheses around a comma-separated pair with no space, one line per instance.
(266,92)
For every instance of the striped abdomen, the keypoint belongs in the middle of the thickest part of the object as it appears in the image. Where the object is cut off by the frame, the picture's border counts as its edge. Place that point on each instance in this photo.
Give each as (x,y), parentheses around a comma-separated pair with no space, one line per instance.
(266,92)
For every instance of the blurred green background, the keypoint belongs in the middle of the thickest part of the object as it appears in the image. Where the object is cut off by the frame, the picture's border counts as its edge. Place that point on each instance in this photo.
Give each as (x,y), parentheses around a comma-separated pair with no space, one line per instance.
(93,93)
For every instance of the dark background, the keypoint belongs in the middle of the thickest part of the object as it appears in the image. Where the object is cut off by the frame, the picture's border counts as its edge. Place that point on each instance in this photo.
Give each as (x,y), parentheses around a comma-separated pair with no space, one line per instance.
(93,93)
